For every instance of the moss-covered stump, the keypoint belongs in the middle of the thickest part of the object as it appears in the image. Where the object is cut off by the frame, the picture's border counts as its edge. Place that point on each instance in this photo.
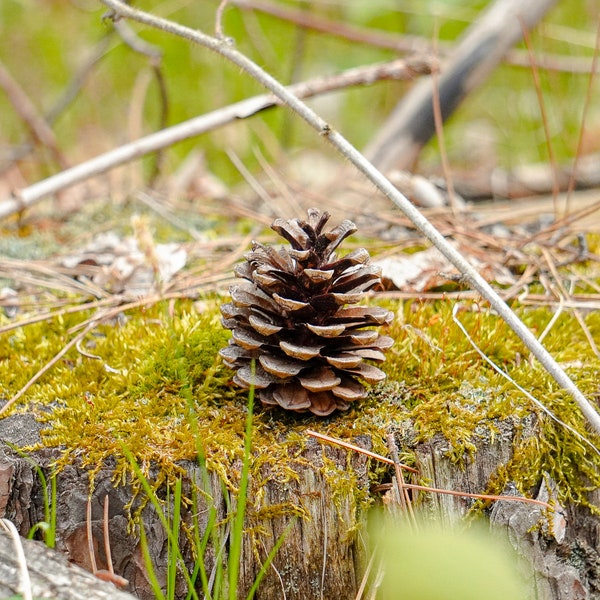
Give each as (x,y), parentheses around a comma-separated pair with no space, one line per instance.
(321,555)
(147,414)
(560,548)
(315,515)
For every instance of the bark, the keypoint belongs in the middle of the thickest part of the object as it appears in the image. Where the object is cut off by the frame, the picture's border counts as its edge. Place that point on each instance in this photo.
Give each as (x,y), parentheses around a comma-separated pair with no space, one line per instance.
(319,558)
(322,556)
(561,561)
(50,574)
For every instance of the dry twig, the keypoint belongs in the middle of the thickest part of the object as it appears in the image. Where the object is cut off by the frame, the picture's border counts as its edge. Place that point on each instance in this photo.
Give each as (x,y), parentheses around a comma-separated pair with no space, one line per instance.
(27,197)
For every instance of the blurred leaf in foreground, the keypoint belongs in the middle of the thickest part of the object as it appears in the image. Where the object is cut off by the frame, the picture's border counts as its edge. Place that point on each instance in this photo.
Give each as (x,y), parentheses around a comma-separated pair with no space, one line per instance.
(440,563)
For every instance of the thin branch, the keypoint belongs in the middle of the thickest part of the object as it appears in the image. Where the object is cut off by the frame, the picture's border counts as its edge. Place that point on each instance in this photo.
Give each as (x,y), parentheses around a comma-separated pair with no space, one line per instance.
(219,19)
(349,446)
(485,497)
(105,530)
(155,56)
(89,535)
(21,560)
(584,115)
(67,97)
(371,37)
(23,199)
(544,116)
(380,38)
(35,122)
(413,486)
(404,133)
(379,180)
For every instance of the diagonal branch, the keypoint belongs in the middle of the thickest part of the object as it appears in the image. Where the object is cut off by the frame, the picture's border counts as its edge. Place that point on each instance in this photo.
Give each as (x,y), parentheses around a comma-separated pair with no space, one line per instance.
(396,69)
(346,149)
(38,127)
(411,124)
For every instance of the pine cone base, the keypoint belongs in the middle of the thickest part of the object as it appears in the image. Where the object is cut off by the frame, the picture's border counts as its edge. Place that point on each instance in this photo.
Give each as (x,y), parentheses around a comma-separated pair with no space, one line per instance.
(297,335)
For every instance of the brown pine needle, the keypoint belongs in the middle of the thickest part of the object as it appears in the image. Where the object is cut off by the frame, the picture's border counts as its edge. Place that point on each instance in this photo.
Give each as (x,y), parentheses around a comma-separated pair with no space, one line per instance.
(414,486)
(347,445)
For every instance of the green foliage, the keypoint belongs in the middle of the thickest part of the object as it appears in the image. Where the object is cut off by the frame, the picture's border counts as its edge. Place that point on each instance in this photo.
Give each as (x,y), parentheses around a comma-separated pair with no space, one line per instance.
(434,563)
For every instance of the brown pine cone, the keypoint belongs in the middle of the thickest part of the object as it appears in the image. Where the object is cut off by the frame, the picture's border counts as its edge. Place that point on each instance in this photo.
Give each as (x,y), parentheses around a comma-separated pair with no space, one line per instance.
(291,316)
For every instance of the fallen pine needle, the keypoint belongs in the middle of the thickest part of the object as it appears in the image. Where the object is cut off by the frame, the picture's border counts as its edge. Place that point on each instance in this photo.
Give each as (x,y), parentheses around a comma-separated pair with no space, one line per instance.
(347,445)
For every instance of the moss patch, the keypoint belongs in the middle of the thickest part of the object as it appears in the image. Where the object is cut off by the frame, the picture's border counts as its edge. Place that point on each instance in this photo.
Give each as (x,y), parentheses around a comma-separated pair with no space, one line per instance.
(159,388)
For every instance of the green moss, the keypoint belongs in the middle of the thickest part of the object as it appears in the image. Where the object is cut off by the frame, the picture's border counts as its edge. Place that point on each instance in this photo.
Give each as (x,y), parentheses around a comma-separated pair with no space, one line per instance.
(160,389)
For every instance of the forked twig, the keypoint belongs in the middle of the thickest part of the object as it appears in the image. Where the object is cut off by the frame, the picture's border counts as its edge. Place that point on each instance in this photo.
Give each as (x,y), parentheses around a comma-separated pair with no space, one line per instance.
(24,198)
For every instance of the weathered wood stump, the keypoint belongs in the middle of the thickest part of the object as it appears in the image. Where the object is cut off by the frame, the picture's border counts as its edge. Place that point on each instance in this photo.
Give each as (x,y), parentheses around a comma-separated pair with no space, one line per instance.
(51,575)
(322,554)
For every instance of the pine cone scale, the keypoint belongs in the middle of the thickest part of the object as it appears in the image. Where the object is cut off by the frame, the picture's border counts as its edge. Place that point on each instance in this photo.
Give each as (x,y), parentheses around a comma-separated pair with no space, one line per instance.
(303,352)
(281,366)
(327,331)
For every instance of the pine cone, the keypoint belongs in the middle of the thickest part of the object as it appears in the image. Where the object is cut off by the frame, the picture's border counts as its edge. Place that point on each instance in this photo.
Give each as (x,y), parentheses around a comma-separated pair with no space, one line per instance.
(291,316)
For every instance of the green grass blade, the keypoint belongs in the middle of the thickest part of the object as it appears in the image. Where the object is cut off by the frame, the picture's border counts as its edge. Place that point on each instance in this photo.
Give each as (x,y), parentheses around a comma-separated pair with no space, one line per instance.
(156,589)
(174,541)
(269,560)
(237,533)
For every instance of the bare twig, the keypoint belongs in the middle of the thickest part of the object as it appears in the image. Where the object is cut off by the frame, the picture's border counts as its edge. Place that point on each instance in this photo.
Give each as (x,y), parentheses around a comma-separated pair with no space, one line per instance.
(22,199)
(155,56)
(586,106)
(400,488)
(414,486)
(371,37)
(485,497)
(219,19)
(24,107)
(349,446)
(380,38)
(69,94)
(346,149)
(410,126)
(89,535)
(544,116)
(438,119)
(105,531)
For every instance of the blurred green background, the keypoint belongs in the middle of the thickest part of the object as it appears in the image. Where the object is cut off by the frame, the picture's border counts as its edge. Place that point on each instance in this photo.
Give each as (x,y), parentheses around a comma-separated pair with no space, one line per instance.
(45,44)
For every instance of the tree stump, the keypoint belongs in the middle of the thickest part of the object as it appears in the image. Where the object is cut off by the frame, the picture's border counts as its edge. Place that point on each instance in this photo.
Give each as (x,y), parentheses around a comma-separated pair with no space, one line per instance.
(50,575)
(322,555)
